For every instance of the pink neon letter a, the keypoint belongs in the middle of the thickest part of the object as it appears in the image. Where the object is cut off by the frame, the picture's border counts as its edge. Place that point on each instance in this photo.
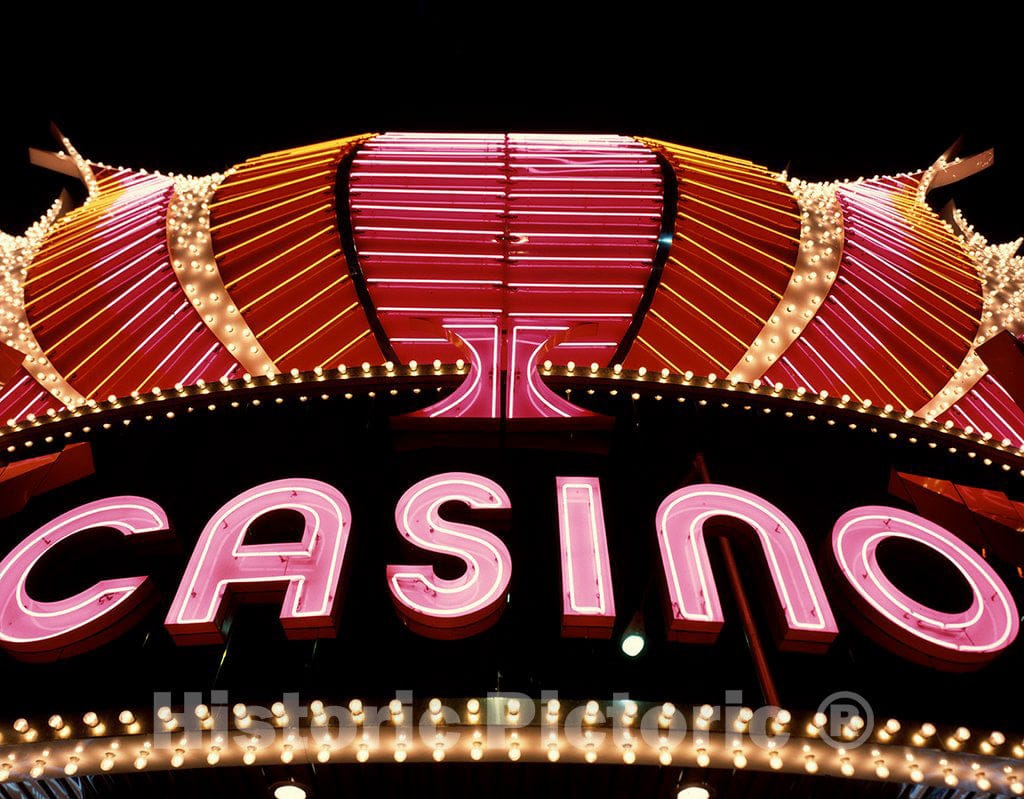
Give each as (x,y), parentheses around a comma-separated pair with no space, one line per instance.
(308,570)
(33,630)
(437,607)
(696,612)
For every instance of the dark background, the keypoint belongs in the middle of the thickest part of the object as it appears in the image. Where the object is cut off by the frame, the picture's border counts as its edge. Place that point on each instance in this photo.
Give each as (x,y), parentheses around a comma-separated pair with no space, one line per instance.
(836,91)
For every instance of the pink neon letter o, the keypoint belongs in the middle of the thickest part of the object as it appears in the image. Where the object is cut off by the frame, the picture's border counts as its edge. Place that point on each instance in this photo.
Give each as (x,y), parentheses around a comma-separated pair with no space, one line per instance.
(948,640)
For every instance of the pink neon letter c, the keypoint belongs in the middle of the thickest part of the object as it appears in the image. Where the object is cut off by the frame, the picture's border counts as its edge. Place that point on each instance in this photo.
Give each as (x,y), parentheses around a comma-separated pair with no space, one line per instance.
(460,607)
(42,631)
(948,640)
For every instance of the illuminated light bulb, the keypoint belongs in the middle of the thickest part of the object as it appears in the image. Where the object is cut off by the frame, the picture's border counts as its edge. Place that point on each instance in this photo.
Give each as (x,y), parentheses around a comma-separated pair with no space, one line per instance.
(1016,786)
(810,764)
(21,726)
(590,755)
(881,770)
(775,760)
(287,753)
(703,758)
(997,738)
(892,726)
(512,709)
(316,707)
(362,754)
(629,712)
(477,751)
(249,756)
(846,768)
(473,710)
(664,756)
(5,771)
(590,712)
(140,762)
(280,713)
(668,710)
(739,760)
(962,734)
(366,367)
(547,366)
(514,752)
(324,754)
(71,767)
(178,758)
(983,782)
(460,363)
(628,756)
(916,775)
(952,743)
(55,722)
(553,708)
(107,763)
(202,712)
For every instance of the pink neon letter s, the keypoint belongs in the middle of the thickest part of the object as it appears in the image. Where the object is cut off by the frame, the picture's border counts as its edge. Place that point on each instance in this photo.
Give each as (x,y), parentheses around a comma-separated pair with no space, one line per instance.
(947,640)
(441,608)
(33,630)
(696,612)
(308,570)
(588,603)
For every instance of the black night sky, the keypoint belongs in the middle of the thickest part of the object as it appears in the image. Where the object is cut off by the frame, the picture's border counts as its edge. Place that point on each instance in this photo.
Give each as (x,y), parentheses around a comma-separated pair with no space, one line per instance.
(865,92)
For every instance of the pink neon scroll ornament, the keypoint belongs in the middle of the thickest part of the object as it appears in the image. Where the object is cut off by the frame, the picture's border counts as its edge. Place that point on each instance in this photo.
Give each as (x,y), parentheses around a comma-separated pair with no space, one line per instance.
(223,567)
(477,396)
(588,602)
(438,607)
(953,641)
(44,631)
(528,397)
(805,622)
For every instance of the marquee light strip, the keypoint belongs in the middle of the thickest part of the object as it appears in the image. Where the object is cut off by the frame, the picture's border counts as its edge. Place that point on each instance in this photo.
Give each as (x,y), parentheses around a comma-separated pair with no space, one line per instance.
(498,729)
(326,384)
(195,266)
(817,264)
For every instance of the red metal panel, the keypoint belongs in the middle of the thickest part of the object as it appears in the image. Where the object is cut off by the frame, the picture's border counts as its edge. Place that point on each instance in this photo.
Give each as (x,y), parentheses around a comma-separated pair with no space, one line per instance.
(734,247)
(276,240)
(103,300)
(903,311)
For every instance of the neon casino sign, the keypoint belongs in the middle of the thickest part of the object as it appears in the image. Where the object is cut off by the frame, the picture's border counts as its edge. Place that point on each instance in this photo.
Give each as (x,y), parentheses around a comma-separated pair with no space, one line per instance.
(223,568)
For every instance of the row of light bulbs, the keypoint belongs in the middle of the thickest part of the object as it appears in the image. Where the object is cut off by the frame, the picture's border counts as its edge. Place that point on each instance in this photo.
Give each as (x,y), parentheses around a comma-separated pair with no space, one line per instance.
(390,370)
(729,745)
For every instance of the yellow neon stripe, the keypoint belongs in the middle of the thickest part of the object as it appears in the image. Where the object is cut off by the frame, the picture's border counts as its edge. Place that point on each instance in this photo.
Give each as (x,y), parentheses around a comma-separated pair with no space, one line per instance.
(292,277)
(274,229)
(745,220)
(769,189)
(657,354)
(266,208)
(787,266)
(710,318)
(732,266)
(316,332)
(341,352)
(280,255)
(693,343)
(712,286)
(298,308)
(773,208)
(232,181)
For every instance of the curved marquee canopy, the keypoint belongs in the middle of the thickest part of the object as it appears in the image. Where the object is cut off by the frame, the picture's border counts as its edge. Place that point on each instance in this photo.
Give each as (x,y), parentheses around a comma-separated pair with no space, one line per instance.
(506,251)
